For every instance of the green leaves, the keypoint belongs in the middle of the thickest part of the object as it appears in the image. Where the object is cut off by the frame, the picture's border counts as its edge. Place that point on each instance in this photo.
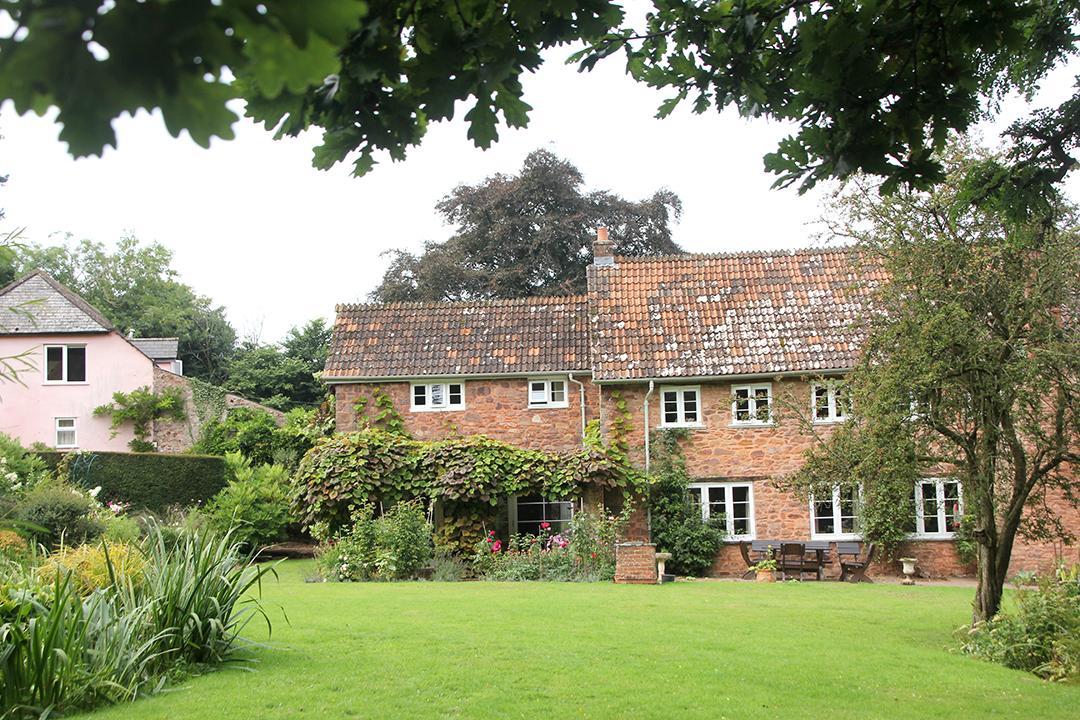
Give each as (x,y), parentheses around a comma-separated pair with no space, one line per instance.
(347,470)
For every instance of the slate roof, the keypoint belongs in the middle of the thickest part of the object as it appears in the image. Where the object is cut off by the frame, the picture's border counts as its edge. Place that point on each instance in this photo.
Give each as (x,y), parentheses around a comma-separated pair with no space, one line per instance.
(158,348)
(37,304)
(732,314)
(530,335)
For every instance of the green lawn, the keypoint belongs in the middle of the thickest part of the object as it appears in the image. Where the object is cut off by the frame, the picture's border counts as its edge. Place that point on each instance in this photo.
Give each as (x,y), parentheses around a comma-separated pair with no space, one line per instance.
(709,650)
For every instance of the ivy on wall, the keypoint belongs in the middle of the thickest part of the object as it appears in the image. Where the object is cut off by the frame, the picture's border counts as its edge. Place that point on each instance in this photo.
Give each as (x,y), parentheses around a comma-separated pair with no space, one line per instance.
(382,415)
(141,407)
(344,471)
(209,400)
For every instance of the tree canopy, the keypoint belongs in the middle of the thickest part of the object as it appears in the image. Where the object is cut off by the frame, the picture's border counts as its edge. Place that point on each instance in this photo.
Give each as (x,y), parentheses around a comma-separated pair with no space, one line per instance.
(282,376)
(971,369)
(136,288)
(527,234)
(874,86)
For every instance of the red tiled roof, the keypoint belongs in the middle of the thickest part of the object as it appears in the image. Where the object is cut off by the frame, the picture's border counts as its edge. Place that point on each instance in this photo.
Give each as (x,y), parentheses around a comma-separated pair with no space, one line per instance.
(530,335)
(733,314)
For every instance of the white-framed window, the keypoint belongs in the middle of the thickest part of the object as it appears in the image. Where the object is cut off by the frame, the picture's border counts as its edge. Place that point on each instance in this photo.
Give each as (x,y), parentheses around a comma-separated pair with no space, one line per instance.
(733,500)
(528,513)
(547,393)
(939,505)
(751,404)
(836,516)
(830,402)
(65,363)
(438,396)
(65,433)
(680,406)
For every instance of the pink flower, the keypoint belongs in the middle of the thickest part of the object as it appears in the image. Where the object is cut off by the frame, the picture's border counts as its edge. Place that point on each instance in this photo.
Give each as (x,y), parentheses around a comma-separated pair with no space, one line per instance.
(545,525)
(497,546)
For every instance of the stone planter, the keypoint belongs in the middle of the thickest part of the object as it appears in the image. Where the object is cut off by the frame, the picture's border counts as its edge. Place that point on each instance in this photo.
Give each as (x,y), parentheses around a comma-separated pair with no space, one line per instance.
(766,576)
(909,570)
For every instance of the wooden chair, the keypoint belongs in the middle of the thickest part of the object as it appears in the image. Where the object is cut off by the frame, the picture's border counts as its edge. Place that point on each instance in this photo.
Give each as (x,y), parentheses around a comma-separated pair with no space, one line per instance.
(744,549)
(791,560)
(855,570)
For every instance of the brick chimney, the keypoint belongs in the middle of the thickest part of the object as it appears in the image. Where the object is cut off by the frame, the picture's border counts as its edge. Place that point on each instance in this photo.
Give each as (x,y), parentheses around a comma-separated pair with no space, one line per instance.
(603,251)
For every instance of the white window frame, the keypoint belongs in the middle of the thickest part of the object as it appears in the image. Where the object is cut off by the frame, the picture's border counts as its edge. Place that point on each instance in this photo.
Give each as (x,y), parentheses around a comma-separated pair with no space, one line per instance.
(547,392)
(512,511)
(73,430)
(836,518)
(939,496)
(729,518)
(63,364)
(445,406)
(833,406)
(680,406)
(751,404)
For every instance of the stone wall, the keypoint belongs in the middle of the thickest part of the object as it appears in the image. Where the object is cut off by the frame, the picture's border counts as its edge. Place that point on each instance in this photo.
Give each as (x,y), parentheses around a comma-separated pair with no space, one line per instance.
(498,408)
(175,436)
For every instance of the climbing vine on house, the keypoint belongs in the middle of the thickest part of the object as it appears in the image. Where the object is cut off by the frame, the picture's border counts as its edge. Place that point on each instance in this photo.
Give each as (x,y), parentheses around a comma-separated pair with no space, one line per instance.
(382,415)
(342,472)
(141,407)
(208,400)
(677,525)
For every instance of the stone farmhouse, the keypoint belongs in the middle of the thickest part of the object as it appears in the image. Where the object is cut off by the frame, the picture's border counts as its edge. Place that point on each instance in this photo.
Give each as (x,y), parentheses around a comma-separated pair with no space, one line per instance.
(712,344)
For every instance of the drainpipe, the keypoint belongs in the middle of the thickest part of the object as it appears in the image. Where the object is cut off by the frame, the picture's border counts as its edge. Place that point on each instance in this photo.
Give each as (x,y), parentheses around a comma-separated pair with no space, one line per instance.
(647,426)
(581,396)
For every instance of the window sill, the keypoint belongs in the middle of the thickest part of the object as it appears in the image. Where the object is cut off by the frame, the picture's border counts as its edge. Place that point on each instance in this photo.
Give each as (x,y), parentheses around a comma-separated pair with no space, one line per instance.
(837,421)
(752,425)
(931,537)
(562,406)
(835,537)
(736,539)
(682,426)
(63,382)
(456,408)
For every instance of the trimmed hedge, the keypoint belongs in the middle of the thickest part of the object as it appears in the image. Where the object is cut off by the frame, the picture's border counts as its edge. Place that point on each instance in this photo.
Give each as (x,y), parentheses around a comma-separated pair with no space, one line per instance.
(149,481)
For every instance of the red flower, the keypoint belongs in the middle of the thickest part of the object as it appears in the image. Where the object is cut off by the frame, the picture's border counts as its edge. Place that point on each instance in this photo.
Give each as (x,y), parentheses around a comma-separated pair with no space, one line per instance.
(491,533)
(545,525)
(497,546)
(592,555)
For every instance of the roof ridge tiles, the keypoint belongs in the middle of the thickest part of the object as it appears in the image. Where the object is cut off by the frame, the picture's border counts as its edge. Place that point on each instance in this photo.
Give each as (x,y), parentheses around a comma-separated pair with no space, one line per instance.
(451,304)
(779,252)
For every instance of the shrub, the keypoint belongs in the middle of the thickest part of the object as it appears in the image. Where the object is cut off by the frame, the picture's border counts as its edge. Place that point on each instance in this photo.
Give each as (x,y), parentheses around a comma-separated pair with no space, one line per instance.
(393,546)
(248,431)
(95,566)
(55,511)
(145,481)
(1042,635)
(692,542)
(20,470)
(585,552)
(122,529)
(254,505)
(677,525)
(63,650)
(12,544)
(199,589)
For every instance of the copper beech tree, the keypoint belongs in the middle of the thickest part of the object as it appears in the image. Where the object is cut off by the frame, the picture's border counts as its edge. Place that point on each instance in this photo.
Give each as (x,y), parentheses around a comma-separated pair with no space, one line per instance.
(970,368)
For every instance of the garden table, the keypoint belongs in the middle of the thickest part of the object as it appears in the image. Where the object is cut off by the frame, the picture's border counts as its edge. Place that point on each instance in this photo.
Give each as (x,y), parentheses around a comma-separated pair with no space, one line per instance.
(816,564)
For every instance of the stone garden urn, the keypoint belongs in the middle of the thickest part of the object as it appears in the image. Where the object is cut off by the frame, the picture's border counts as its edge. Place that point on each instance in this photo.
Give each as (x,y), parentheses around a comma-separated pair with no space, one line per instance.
(909,570)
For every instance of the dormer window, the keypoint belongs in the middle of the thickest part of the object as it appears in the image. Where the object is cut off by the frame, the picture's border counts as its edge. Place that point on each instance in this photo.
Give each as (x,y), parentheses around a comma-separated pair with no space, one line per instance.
(65,363)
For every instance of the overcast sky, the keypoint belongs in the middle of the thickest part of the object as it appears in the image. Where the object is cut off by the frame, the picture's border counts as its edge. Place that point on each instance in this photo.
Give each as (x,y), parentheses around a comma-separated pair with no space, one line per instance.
(255,227)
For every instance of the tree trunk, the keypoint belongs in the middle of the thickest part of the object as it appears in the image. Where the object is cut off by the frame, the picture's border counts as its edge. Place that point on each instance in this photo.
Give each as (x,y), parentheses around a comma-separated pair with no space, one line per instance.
(991,584)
